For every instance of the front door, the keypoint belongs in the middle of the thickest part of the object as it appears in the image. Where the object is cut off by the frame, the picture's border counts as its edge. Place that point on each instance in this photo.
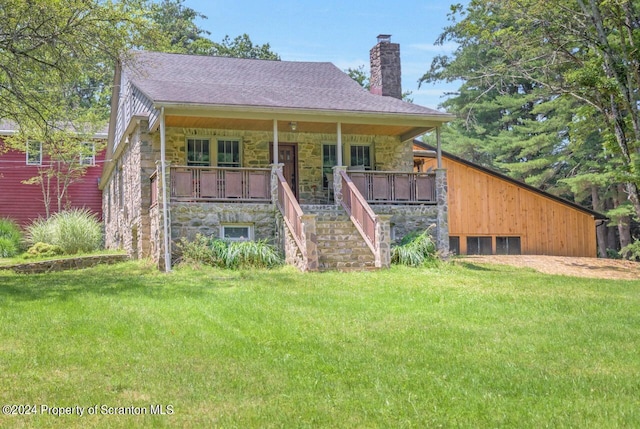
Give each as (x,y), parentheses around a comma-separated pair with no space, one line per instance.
(288,155)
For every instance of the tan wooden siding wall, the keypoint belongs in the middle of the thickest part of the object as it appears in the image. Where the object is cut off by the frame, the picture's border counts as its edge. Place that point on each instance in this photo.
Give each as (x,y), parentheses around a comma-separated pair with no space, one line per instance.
(484,205)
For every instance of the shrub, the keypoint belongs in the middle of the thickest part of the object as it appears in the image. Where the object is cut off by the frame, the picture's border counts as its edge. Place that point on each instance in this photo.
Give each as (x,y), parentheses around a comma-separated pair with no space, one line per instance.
(415,249)
(10,238)
(225,254)
(74,231)
(44,250)
(631,251)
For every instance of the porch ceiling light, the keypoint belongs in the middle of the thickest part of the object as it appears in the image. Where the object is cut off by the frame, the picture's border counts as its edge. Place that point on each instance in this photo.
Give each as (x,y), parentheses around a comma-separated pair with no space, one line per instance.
(293,126)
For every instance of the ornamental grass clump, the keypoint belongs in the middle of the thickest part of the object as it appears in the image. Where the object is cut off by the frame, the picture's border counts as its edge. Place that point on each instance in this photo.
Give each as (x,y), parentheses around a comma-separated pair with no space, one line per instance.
(229,254)
(74,231)
(415,249)
(10,238)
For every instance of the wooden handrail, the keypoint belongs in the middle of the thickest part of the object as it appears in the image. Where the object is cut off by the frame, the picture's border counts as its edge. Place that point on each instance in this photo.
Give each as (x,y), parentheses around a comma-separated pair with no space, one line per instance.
(359,211)
(290,209)
(202,183)
(391,187)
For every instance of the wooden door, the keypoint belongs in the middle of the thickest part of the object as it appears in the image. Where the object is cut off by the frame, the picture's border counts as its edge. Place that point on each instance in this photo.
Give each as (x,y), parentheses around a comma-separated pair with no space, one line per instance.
(288,155)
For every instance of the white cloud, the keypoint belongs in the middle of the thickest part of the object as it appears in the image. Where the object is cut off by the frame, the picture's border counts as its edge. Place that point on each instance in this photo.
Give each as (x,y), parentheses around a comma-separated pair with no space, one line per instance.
(426,47)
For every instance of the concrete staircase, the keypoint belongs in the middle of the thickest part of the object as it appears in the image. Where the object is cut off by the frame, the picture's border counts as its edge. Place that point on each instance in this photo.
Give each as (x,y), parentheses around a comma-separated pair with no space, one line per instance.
(340,245)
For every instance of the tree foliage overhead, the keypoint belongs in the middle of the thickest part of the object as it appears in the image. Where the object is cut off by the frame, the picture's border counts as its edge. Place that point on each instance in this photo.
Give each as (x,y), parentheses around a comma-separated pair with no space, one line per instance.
(521,61)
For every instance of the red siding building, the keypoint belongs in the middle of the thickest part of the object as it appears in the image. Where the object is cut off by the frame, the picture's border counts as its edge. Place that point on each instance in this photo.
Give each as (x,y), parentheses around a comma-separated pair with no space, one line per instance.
(24,202)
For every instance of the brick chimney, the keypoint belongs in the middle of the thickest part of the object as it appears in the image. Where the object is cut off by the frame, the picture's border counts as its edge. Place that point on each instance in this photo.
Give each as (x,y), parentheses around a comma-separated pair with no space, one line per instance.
(385,68)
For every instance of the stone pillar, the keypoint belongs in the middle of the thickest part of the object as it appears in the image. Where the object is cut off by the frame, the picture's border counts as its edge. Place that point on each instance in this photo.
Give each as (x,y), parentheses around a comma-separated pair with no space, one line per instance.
(274,182)
(337,183)
(309,242)
(442,224)
(383,241)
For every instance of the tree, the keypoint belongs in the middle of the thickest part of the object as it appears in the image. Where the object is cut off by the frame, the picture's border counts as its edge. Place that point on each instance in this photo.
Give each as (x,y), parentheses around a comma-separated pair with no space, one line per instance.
(585,49)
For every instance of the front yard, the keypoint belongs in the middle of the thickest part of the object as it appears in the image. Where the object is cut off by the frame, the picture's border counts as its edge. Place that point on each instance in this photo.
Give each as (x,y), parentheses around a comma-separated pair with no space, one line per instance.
(460,345)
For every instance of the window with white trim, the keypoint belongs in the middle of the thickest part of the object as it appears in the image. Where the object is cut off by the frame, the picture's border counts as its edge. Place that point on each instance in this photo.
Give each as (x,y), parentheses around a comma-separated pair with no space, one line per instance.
(360,156)
(88,155)
(329,160)
(198,152)
(228,154)
(236,232)
(34,153)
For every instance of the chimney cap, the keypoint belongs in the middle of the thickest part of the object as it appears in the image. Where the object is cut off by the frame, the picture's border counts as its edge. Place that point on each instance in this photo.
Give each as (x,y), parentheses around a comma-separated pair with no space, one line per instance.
(384,38)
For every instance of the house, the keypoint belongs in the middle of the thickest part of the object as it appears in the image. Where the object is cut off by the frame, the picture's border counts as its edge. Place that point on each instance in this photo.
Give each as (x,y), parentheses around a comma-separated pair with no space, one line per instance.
(296,153)
(490,213)
(25,202)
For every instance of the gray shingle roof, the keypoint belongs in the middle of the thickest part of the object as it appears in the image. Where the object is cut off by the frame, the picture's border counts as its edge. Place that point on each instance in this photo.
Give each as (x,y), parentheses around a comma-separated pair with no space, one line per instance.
(191,79)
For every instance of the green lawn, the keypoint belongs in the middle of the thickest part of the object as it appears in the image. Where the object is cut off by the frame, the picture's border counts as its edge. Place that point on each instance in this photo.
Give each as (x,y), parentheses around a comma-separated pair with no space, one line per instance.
(454,346)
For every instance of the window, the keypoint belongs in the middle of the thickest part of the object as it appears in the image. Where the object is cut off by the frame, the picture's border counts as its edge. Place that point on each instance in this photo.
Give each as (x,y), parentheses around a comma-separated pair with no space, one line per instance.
(236,232)
(479,246)
(228,153)
(198,152)
(360,155)
(454,245)
(88,155)
(507,245)
(329,160)
(34,153)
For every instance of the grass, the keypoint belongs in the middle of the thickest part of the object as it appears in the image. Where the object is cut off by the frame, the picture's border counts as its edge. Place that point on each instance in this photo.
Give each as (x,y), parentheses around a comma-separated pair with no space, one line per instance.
(470,346)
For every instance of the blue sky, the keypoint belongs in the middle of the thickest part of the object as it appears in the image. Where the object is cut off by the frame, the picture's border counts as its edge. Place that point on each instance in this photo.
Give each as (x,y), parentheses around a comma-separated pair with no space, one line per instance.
(339,31)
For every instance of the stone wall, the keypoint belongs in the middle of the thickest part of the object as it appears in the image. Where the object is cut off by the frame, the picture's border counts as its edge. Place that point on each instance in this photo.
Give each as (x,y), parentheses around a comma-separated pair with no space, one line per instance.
(408,218)
(189,219)
(64,264)
(126,198)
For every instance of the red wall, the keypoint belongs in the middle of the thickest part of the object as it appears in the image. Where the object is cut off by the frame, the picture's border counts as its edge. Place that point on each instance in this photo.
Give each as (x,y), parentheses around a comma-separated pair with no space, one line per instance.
(23,203)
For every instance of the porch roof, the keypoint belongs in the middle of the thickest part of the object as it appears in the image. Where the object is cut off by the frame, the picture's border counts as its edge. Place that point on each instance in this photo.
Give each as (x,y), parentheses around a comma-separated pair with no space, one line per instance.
(192,85)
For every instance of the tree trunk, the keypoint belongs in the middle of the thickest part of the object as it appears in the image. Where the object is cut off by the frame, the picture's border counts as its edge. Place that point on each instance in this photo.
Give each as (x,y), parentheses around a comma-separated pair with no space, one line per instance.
(601,227)
(612,236)
(624,222)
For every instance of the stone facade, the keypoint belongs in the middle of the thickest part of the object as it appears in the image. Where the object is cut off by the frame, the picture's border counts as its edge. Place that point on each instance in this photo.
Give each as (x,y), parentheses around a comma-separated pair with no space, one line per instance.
(133,224)
(126,199)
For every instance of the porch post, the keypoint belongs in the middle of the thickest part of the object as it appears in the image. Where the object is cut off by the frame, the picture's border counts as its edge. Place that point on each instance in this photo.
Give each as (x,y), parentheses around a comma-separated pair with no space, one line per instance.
(339,144)
(163,178)
(275,141)
(439,149)
(442,223)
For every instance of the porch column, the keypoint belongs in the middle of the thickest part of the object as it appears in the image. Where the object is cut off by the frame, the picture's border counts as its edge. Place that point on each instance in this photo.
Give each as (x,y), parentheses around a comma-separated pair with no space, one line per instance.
(275,141)
(339,144)
(438,149)
(163,178)
(275,168)
(337,183)
(442,222)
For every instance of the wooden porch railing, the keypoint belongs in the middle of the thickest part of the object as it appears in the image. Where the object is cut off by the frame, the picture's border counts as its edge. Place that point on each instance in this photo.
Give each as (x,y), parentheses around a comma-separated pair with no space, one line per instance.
(220,184)
(395,187)
(290,209)
(361,214)
(154,189)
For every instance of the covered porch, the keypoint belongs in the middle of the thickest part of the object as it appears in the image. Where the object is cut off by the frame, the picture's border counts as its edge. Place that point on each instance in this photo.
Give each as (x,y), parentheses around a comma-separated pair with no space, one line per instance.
(300,168)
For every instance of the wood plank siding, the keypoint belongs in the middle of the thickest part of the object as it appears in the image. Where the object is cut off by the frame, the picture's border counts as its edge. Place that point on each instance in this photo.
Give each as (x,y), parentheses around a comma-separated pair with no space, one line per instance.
(24,203)
(487,204)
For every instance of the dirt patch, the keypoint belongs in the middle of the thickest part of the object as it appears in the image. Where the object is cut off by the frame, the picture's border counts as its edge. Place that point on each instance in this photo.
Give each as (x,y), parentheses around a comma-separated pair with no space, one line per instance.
(564,265)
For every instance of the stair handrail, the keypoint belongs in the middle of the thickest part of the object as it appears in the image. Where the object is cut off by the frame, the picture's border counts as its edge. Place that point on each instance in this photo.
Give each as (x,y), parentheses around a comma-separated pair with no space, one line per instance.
(361,214)
(290,209)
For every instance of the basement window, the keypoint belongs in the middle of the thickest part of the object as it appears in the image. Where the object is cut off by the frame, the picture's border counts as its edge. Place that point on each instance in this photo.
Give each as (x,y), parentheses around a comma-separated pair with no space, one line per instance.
(507,245)
(236,232)
(479,246)
(454,245)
